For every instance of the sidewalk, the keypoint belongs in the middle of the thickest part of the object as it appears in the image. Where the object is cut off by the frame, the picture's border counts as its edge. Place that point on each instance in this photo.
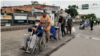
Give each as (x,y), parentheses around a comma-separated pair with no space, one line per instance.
(86,43)
(79,47)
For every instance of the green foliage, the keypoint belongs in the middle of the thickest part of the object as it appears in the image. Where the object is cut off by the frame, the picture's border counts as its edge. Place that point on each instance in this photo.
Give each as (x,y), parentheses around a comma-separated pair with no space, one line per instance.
(72,10)
(74,6)
(89,16)
(34,2)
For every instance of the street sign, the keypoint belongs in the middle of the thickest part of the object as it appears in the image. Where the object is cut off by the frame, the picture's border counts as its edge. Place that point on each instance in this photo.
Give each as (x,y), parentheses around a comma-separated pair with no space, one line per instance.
(85,6)
(7,10)
(94,4)
(38,10)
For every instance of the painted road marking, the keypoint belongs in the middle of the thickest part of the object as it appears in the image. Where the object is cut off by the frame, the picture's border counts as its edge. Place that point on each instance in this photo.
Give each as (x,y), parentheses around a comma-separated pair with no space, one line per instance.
(83,36)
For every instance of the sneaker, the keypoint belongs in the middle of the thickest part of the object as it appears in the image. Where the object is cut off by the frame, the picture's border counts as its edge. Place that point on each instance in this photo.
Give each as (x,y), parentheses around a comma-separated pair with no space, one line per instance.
(22,49)
(28,51)
(46,44)
(55,38)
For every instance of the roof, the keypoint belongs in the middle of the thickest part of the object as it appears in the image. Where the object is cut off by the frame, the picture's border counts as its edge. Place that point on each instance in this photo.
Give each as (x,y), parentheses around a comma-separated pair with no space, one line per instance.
(81,15)
(30,5)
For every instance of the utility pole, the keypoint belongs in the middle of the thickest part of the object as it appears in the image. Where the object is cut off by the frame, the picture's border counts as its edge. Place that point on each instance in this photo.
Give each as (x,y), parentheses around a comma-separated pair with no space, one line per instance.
(3,2)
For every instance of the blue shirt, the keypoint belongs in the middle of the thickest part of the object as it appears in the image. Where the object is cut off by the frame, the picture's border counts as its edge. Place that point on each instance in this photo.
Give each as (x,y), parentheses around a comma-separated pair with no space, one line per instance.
(39,30)
(57,25)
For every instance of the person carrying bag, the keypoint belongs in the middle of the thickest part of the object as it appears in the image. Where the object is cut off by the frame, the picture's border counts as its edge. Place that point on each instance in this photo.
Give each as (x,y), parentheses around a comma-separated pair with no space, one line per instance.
(73,30)
(69,25)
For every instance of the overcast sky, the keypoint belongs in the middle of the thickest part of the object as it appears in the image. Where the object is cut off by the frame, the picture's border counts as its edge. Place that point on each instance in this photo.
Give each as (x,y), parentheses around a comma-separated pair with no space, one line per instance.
(62,4)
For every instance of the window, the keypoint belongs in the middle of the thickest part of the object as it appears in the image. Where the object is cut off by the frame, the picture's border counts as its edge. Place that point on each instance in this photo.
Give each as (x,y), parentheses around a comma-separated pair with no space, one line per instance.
(16,7)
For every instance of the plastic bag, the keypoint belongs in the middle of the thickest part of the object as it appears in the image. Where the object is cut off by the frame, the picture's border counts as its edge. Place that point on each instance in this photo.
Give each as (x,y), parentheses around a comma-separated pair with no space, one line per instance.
(73,30)
(81,26)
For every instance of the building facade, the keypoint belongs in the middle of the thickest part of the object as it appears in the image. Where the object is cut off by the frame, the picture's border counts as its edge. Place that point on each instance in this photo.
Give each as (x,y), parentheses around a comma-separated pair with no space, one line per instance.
(28,7)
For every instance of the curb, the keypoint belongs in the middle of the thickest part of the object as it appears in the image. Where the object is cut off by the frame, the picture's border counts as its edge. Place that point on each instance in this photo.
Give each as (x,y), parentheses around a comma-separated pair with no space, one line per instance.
(48,54)
(14,28)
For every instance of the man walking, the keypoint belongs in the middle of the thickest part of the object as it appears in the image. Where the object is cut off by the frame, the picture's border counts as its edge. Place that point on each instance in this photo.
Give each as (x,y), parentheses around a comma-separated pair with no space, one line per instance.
(62,23)
(91,24)
(98,21)
(45,22)
(69,24)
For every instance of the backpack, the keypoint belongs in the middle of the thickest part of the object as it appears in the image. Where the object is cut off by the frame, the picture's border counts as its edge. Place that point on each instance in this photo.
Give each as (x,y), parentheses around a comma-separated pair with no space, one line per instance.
(69,21)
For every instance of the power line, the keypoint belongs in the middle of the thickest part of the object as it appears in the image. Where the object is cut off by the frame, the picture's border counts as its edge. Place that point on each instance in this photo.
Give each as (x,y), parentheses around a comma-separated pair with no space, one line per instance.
(3,3)
(6,3)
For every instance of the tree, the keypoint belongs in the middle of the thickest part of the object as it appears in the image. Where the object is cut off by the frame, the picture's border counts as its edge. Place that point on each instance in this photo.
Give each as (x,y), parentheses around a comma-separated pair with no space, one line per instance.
(34,2)
(72,10)
(89,16)
(74,6)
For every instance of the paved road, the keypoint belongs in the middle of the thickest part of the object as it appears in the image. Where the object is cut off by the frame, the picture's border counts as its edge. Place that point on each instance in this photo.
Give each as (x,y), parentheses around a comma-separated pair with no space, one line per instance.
(11,41)
(86,43)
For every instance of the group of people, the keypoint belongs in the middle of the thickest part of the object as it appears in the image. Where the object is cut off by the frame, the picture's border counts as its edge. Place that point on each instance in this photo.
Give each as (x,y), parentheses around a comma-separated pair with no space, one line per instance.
(62,22)
(42,28)
(88,22)
(96,22)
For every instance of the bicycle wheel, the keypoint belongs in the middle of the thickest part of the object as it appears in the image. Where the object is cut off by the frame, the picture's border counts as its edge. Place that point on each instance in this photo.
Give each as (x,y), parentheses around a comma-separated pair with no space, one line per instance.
(42,43)
(59,35)
(36,49)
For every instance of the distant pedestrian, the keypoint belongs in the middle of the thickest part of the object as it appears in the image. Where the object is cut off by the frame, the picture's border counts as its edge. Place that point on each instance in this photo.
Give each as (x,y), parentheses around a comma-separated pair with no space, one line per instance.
(88,22)
(91,24)
(85,23)
(69,25)
(98,21)
(94,22)
(62,23)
